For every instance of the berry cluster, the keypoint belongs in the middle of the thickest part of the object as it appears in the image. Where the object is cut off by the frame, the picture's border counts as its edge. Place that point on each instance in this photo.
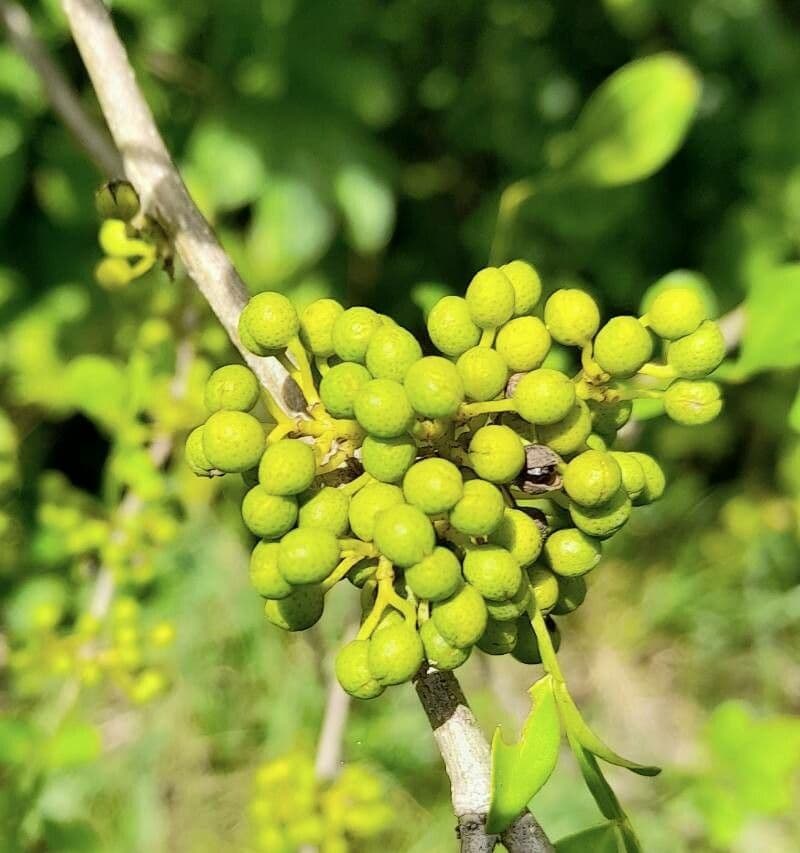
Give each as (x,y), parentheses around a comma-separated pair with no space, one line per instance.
(459,492)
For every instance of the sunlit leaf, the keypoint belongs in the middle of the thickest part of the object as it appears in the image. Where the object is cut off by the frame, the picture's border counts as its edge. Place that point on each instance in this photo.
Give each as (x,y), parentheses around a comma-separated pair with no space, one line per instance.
(368,206)
(17,739)
(72,745)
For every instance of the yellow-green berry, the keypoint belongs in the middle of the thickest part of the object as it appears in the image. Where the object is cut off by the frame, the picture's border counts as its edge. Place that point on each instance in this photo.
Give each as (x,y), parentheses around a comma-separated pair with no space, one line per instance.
(499,638)
(526,283)
(496,453)
(266,515)
(353,672)
(676,312)
(265,577)
(544,585)
(433,485)
(692,403)
(569,435)
(308,555)
(461,619)
(492,571)
(391,351)
(232,387)
(511,608)
(571,593)
(490,298)
(450,326)
(395,654)
(544,396)
(523,343)
(622,346)
(404,535)
(271,320)
(382,408)
(327,509)
(483,372)
(194,453)
(438,651)
(388,459)
(572,317)
(434,387)
(608,417)
(592,478)
(367,503)
(316,326)
(570,552)
(698,354)
(287,467)
(233,441)
(353,331)
(519,534)
(605,520)
(654,480)
(527,648)
(633,480)
(480,509)
(298,611)
(339,387)
(436,576)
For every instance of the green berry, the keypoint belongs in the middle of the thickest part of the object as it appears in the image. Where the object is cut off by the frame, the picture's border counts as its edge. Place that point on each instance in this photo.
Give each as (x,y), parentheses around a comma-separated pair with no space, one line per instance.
(571,593)
(676,312)
(249,342)
(633,480)
(570,552)
(327,509)
(499,638)
(461,619)
(692,403)
(527,647)
(571,317)
(287,467)
(483,373)
(654,480)
(298,611)
(435,577)
(308,555)
(316,326)
(352,333)
(388,459)
(264,574)
(523,343)
(395,654)
(233,441)
(622,346)
(480,509)
(270,320)
(194,453)
(367,503)
(608,417)
(438,651)
(697,354)
(605,520)
(266,515)
(391,351)
(492,571)
(450,326)
(404,535)
(544,396)
(339,387)
(592,478)
(388,618)
(526,283)
(433,485)
(353,673)
(233,387)
(496,453)
(434,387)
(544,585)
(382,408)
(519,534)
(569,435)
(490,298)
(511,608)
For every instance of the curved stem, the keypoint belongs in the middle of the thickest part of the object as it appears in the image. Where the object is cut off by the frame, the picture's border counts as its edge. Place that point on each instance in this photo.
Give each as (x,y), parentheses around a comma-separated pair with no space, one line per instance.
(512,198)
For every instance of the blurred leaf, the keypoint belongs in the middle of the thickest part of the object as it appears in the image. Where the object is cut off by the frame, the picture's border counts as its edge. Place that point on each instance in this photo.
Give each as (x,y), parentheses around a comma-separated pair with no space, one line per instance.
(72,745)
(72,837)
(37,605)
(368,206)
(794,413)
(97,386)
(427,293)
(17,739)
(599,839)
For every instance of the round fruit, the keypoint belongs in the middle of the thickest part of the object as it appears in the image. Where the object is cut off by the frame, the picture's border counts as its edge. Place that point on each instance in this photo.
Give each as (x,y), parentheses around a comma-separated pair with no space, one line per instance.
(483,372)
(676,312)
(434,387)
(395,654)
(523,343)
(316,326)
(382,408)
(569,435)
(609,417)
(571,317)
(496,453)
(233,441)
(461,619)
(435,577)
(391,351)
(450,326)
(264,574)
(527,647)
(388,459)
(327,509)
(353,673)
(571,593)
(352,333)
(544,396)
(433,485)
(490,298)
(404,535)
(654,480)
(287,467)
(604,520)
(511,608)
(526,283)
(438,651)
(544,585)
(592,478)
(270,320)
(499,638)
(308,555)
(570,552)
(367,503)
(492,571)
(339,387)
(633,479)
(622,346)
(232,387)
(266,515)
(519,534)
(687,402)
(697,354)
(480,509)
(194,453)
(298,611)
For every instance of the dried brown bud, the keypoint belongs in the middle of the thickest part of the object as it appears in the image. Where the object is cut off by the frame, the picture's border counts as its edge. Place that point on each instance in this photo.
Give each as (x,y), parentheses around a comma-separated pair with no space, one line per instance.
(540,474)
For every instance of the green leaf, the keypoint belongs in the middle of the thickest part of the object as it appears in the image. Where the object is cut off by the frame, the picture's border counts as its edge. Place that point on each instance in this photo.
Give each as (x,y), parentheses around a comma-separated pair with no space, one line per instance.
(72,745)
(794,413)
(17,740)
(598,839)
(520,770)
(600,790)
(368,207)
(634,122)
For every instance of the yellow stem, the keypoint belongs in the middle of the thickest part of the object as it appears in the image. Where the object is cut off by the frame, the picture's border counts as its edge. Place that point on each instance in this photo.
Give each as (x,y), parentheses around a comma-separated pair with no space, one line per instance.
(657,371)
(307,384)
(340,572)
(354,485)
(487,337)
(471,410)
(321,364)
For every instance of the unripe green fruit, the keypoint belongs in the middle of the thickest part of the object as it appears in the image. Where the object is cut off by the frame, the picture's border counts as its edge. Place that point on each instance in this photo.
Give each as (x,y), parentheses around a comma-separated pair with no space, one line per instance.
(388,459)
(249,342)
(480,509)
(676,312)
(438,651)
(117,200)
(270,320)
(605,520)
(545,588)
(388,618)
(519,534)
(433,485)
(233,441)
(592,478)
(308,555)
(571,593)
(450,326)
(298,611)
(434,387)
(697,354)
(404,535)
(607,418)
(572,317)
(367,503)
(264,574)
(316,326)
(654,480)
(569,435)
(287,467)
(570,552)
(327,509)
(266,515)
(461,619)
(496,453)
(436,577)
(483,372)
(353,673)
(622,346)
(523,343)
(352,333)
(382,408)
(633,480)
(527,647)
(492,571)
(490,298)
(499,638)
(232,387)
(194,453)
(391,351)
(544,396)
(511,608)
(692,403)
(526,283)
(339,387)
(395,654)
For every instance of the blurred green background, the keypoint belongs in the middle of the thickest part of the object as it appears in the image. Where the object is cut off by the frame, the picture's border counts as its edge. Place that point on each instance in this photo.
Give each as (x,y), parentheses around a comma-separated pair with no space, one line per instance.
(359,149)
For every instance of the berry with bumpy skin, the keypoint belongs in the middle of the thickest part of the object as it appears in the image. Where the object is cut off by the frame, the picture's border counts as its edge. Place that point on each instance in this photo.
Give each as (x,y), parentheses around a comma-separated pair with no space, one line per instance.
(388,459)
(308,555)
(461,619)
(592,478)
(692,403)
(249,342)
(233,441)
(527,648)
(608,417)
(519,534)
(572,317)
(395,654)
(339,387)
(265,577)
(571,593)
(480,509)
(353,672)
(316,326)
(450,326)
(632,474)
(523,343)
(622,346)
(569,435)
(697,354)
(490,298)
(570,552)
(526,283)
(605,520)
(436,577)
(438,651)
(404,535)
(544,396)
(287,467)
(194,453)
(545,587)
(492,571)
(270,320)
(327,509)
(391,351)
(676,312)
(654,480)
(499,638)
(298,611)
(382,408)
(266,515)
(433,485)
(353,331)
(511,608)
(232,387)
(367,503)
(483,372)
(434,387)
(496,453)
